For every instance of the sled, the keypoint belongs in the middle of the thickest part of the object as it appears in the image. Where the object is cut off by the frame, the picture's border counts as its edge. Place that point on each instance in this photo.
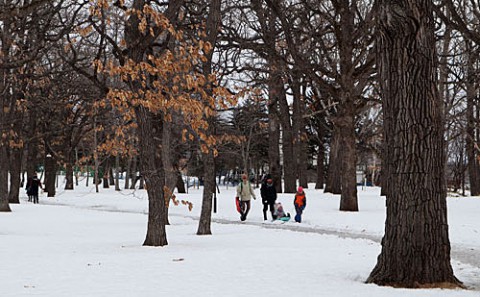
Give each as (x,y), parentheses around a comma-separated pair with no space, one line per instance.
(284,219)
(238,205)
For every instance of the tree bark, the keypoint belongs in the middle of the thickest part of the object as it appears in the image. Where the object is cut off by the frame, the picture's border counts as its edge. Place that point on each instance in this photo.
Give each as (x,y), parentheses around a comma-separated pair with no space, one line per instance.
(133,174)
(68,173)
(16,157)
(415,247)
(4,206)
(299,133)
(50,171)
(320,167)
(472,138)
(213,26)
(345,127)
(204,224)
(274,142)
(154,175)
(334,182)
(320,156)
(128,173)
(180,184)
(289,164)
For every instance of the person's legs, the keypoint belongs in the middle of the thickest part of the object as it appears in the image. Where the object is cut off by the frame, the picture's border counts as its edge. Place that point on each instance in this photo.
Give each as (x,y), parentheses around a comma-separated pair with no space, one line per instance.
(265,207)
(35,199)
(298,217)
(246,209)
(272,210)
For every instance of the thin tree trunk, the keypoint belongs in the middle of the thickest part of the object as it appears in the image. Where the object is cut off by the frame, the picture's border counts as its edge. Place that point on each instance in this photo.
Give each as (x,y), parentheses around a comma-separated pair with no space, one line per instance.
(133,176)
(50,172)
(68,172)
(289,164)
(117,173)
(300,136)
(320,158)
(204,225)
(111,175)
(212,26)
(415,247)
(180,184)
(128,173)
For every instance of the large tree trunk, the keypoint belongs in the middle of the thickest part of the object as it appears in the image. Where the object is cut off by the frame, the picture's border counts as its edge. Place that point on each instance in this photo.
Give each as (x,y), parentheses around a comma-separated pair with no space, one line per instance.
(415,247)
(106,174)
(4,206)
(334,181)
(5,107)
(16,157)
(472,135)
(346,130)
(274,143)
(152,170)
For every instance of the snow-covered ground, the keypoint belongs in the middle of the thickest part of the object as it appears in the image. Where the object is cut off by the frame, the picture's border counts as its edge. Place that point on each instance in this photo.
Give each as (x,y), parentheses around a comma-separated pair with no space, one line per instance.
(83,243)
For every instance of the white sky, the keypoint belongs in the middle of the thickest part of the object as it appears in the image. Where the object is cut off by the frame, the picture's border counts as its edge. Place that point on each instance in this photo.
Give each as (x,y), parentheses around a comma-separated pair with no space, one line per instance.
(86,244)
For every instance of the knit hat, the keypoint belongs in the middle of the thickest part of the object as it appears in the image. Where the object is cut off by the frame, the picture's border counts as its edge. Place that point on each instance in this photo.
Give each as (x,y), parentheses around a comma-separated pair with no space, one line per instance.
(300,189)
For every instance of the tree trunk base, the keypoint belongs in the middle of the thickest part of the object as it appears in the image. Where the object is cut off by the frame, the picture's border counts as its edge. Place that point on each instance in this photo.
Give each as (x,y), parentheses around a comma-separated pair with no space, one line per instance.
(415,285)
(382,277)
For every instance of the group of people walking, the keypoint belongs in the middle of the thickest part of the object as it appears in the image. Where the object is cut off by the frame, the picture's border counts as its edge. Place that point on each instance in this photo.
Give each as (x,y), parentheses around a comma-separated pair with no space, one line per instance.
(32,187)
(268,194)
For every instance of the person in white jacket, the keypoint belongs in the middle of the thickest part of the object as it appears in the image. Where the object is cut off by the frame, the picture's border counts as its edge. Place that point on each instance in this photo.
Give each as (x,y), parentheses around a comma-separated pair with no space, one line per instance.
(245,193)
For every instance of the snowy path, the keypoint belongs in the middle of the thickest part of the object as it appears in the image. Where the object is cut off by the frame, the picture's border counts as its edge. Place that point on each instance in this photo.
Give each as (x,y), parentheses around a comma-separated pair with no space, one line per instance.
(467,255)
(464,254)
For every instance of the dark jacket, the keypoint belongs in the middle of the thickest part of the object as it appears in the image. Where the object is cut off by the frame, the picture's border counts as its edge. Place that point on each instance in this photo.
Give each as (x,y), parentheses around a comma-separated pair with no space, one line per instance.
(268,193)
(32,186)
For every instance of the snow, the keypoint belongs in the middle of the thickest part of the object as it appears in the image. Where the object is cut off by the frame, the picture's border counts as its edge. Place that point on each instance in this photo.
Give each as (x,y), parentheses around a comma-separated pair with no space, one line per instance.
(83,243)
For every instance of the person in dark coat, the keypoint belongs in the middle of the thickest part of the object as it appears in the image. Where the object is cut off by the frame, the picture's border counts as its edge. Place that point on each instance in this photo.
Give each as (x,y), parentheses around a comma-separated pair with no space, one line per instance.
(269,196)
(33,184)
(27,188)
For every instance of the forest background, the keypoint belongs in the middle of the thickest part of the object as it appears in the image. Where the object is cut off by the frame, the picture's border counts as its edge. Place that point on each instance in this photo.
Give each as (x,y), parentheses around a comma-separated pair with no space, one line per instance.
(304,90)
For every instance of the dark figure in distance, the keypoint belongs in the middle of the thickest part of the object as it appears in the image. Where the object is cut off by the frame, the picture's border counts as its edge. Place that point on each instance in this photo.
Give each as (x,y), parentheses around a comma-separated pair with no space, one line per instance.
(269,196)
(33,184)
